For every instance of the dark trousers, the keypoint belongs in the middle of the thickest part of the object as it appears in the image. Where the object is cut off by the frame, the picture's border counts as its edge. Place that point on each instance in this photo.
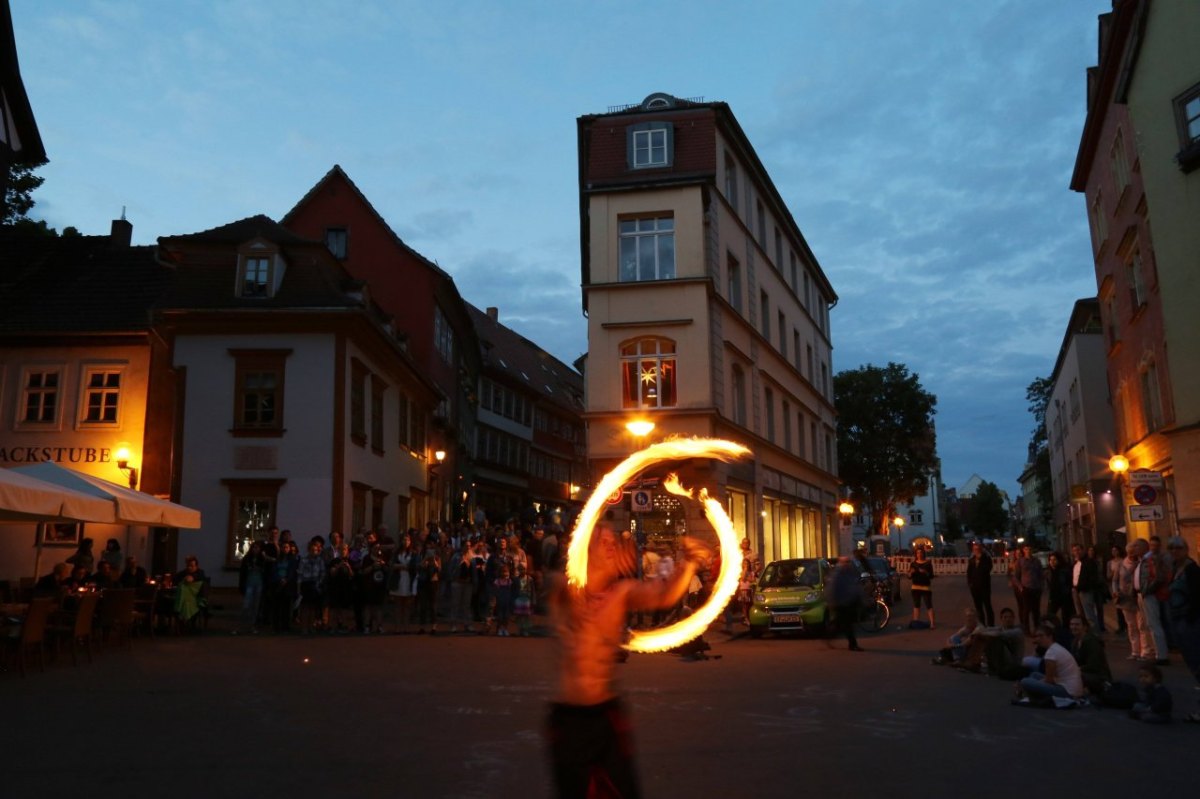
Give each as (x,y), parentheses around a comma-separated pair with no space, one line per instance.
(591,751)
(1030,608)
(982,597)
(845,617)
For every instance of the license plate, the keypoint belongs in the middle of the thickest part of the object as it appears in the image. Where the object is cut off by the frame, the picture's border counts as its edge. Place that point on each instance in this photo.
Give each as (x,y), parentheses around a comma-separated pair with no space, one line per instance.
(786,618)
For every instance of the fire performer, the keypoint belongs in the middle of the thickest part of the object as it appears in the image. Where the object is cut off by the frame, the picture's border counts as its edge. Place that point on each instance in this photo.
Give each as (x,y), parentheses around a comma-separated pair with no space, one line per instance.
(589,730)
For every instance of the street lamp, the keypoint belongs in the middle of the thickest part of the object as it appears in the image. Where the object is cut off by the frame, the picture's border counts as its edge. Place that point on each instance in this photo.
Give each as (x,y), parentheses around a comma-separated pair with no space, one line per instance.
(899,522)
(123,456)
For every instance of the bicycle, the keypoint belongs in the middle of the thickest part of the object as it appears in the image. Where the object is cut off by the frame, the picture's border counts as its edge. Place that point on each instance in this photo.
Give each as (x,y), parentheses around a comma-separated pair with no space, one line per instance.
(876,612)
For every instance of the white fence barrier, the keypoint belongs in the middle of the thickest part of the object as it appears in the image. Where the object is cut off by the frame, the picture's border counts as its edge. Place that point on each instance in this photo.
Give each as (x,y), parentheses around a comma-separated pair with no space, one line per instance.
(947,565)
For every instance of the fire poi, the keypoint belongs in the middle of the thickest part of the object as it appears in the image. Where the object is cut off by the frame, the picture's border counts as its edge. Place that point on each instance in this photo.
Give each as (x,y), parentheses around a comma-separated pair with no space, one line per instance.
(726,584)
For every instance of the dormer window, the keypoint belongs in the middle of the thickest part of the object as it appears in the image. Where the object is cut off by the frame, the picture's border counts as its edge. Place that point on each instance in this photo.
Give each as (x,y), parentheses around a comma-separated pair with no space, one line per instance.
(336,239)
(650,145)
(255,278)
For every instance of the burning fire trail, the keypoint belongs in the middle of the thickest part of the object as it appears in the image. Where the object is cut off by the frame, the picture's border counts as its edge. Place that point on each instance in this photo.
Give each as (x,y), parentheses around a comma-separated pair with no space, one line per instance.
(726,584)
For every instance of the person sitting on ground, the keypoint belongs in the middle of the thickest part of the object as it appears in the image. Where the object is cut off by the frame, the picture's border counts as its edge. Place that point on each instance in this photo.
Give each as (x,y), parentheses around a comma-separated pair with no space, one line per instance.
(1154,700)
(1061,677)
(1002,646)
(960,641)
(1088,651)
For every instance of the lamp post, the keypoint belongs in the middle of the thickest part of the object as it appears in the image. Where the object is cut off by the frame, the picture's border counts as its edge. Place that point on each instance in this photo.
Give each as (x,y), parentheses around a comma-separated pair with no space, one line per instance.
(899,522)
(1119,465)
(123,456)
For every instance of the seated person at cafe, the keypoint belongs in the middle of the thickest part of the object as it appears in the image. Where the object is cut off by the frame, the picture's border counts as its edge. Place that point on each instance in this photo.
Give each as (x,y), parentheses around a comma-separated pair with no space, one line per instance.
(50,584)
(78,579)
(104,577)
(134,576)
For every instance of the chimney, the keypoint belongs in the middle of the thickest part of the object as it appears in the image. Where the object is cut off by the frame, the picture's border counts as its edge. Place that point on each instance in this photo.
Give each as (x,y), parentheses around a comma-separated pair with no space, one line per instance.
(493,313)
(122,231)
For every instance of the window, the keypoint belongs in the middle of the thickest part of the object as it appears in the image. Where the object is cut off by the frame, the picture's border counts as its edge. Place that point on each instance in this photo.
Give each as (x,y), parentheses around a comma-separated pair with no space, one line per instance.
(1133,270)
(828,465)
(737,399)
(358,402)
(1073,394)
(764,314)
(808,350)
(648,373)
(731,181)
(762,224)
(787,425)
(101,396)
(259,388)
(1118,165)
(778,250)
(916,516)
(337,240)
(254,280)
(801,446)
(443,335)
(650,145)
(1099,223)
(1151,399)
(402,422)
(1113,326)
(769,407)
(647,249)
(824,379)
(796,348)
(377,390)
(792,271)
(252,505)
(358,506)
(1187,119)
(734,271)
(812,438)
(40,398)
(807,299)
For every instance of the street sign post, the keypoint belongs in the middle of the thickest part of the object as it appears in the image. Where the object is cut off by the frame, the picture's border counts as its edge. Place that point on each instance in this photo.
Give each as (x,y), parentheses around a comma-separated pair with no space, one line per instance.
(1145,513)
(641,501)
(1145,477)
(1145,494)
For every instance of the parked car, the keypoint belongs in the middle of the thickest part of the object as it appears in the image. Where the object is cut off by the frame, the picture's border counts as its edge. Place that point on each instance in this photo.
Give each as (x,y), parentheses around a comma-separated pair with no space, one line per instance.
(790,597)
(883,571)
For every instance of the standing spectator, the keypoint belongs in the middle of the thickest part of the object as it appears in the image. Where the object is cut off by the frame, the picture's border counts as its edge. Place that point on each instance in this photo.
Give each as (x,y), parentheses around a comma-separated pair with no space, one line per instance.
(1184,609)
(523,602)
(1163,570)
(1027,580)
(479,587)
(921,574)
(310,573)
(460,588)
(402,582)
(1148,581)
(1125,596)
(1099,590)
(1112,567)
(112,554)
(1085,575)
(341,589)
(83,556)
(1058,589)
(427,585)
(979,582)
(251,579)
(281,587)
(502,591)
(372,590)
(845,597)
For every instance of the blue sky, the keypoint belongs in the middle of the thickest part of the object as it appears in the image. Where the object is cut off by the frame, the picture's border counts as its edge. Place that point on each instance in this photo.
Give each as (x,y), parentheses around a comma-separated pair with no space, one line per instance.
(924,149)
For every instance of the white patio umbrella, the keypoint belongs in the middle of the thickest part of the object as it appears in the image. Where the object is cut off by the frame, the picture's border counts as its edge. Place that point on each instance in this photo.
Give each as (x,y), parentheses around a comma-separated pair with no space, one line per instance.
(131,507)
(24,498)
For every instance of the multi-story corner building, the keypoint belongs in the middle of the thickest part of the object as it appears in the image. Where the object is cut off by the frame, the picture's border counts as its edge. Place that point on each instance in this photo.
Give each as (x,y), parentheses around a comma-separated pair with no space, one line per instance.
(82,376)
(1079,432)
(708,314)
(425,307)
(529,449)
(1030,524)
(297,403)
(1137,167)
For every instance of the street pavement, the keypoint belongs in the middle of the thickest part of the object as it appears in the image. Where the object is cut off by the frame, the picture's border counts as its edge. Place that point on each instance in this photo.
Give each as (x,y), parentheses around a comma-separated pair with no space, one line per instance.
(461,716)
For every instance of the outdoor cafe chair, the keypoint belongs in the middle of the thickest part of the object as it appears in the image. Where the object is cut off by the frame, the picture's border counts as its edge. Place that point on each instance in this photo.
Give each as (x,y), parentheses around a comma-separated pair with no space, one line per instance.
(115,614)
(77,627)
(32,634)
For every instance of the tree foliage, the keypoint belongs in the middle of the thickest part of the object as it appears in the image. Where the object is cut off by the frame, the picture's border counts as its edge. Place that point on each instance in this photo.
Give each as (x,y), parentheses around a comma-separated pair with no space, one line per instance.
(1038,394)
(986,514)
(17,198)
(886,439)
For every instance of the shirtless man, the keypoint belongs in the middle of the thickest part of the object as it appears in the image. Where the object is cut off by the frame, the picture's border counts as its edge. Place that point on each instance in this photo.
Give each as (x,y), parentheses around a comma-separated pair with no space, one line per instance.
(591,748)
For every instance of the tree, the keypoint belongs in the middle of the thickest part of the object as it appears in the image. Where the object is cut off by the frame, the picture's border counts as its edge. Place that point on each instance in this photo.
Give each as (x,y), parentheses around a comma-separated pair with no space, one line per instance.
(886,440)
(16,200)
(986,514)
(1038,394)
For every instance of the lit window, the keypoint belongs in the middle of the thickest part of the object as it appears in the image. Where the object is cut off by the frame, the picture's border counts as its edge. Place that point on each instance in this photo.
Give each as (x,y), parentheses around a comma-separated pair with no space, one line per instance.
(101,396)
(1187,119)
(648,373)
(647,249)
(40,399)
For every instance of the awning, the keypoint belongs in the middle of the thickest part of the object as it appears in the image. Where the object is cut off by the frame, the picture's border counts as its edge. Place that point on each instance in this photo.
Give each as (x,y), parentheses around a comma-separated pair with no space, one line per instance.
(130,507)
(24,498)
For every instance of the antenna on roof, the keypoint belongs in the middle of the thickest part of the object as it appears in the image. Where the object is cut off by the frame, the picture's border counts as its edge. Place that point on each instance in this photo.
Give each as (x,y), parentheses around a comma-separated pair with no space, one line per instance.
(122,212)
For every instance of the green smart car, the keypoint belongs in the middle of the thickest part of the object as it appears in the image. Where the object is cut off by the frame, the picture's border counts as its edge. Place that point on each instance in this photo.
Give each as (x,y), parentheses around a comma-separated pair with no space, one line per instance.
(790,597)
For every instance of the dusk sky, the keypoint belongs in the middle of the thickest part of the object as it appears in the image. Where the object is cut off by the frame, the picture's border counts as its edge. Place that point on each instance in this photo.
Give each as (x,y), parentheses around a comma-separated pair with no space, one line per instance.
(924,149)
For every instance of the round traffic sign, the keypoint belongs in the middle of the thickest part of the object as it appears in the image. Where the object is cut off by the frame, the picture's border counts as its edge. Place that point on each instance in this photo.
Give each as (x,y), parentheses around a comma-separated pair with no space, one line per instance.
(1145,495)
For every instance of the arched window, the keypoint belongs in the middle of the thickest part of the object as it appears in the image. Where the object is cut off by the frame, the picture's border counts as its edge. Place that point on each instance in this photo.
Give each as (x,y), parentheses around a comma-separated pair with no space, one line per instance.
(648,373)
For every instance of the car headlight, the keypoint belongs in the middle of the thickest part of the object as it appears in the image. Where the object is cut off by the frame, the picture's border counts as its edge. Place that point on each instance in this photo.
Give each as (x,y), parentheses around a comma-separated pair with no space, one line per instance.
(760,598)
(812,596)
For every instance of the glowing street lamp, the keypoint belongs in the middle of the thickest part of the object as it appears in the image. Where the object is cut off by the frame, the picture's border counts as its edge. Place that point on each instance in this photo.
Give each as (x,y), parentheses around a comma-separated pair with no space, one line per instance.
(1118,464)
(640,428)
(899,522)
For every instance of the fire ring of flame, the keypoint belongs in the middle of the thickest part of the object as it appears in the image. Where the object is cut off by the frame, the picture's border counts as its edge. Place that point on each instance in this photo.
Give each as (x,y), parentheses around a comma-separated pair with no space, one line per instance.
(727,578)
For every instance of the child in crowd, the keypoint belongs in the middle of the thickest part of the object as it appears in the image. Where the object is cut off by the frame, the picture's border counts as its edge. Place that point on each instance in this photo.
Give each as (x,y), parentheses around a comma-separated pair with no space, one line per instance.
(502,591)
(523,602)
(1154,700)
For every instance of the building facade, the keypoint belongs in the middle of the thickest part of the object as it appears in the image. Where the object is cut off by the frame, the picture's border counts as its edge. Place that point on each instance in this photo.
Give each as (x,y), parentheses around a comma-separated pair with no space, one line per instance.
(297,404)
(1137,169)
(1079,432)
(708,315)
